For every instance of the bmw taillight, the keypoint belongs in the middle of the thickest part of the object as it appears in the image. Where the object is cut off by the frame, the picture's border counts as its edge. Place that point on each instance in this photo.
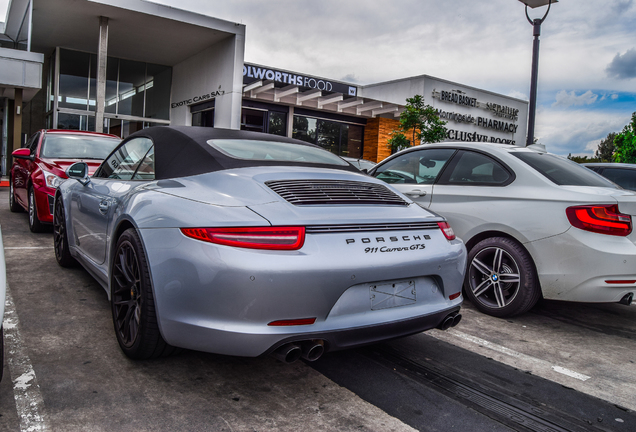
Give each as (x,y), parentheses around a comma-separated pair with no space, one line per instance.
(447,230)
(602,219)
(273,238)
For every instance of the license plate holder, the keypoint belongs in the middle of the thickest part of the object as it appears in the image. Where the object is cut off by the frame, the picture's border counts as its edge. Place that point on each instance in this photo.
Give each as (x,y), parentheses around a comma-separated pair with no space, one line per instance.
(386,295)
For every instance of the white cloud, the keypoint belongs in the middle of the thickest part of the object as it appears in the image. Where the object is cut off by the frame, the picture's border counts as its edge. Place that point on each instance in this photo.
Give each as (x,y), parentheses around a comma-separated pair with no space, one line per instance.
(564,132)
(565,99)
(517,94)
(484,44)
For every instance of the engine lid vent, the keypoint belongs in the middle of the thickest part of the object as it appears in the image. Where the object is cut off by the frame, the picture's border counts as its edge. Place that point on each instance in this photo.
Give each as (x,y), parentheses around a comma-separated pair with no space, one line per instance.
(341,192)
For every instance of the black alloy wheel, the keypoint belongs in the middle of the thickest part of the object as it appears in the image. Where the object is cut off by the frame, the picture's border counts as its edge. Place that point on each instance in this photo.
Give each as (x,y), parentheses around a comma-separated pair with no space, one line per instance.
(34,223)
(132,301)
(60,236)
(501,279)
(13,204)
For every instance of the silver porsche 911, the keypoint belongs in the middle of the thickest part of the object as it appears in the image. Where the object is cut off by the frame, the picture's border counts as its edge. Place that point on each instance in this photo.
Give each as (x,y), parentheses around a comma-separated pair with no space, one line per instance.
(246,244)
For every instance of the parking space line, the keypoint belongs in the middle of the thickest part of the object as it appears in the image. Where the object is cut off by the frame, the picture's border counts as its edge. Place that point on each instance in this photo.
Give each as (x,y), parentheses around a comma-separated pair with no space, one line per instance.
(29,247)
(507,351)
(26,391)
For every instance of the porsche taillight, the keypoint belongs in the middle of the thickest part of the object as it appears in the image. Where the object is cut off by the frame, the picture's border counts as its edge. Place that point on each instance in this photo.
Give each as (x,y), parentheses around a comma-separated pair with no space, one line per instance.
(602,219)
(447,230)
(272,238)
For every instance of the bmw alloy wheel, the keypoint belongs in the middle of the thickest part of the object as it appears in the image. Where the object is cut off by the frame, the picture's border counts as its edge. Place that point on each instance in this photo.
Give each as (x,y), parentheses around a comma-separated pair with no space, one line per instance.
(494,277)
(501,279)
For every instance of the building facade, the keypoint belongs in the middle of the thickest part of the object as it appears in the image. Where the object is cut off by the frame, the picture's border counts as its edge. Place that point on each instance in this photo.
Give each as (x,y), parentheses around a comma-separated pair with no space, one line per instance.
(111,66)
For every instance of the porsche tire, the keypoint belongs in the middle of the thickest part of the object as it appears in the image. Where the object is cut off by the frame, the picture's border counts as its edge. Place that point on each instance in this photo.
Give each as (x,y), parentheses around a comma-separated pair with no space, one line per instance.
(132,301)
(60,236)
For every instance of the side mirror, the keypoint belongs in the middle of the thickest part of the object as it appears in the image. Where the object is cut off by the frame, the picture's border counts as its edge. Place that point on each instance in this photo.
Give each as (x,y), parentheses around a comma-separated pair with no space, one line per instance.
(79,172)
(427,163)
(22,153)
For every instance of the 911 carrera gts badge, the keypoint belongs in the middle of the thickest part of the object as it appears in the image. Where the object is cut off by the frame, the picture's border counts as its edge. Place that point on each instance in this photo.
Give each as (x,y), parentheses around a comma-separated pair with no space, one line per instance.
(392,244)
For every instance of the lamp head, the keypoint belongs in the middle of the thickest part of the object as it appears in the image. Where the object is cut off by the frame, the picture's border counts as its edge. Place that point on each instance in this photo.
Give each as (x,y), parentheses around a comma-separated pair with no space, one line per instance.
(537,3)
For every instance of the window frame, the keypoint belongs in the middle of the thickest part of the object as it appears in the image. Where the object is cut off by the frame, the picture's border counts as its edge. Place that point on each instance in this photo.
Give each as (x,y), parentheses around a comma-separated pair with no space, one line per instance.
(99,171)
(444,177)
(418,153)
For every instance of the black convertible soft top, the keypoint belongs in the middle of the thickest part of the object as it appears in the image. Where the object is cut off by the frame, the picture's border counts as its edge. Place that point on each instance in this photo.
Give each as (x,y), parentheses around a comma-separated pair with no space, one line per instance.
(182,151)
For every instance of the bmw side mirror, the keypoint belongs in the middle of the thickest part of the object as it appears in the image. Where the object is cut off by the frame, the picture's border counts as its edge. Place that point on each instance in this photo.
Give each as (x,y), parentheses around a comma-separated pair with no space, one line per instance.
(79,172)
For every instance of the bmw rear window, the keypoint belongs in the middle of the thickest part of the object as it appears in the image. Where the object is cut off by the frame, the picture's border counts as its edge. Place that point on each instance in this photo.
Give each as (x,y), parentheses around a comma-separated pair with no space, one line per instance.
(274,151)
(562,171)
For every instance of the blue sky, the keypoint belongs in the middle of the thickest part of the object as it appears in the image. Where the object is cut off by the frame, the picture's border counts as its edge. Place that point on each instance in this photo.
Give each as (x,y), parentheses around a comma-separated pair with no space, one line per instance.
(587,67)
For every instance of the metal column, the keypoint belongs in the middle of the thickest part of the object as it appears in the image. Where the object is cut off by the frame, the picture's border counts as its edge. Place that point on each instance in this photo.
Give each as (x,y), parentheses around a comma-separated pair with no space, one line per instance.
(102,55)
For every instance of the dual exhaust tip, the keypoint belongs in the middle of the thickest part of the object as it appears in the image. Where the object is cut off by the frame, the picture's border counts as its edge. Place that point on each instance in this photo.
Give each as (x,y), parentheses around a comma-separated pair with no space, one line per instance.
(450,321)
(310,350)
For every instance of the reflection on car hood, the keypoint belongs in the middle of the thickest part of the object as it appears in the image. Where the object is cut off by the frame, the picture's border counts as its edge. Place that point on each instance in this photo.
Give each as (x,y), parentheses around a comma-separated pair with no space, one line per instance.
(245,187)
(59,166)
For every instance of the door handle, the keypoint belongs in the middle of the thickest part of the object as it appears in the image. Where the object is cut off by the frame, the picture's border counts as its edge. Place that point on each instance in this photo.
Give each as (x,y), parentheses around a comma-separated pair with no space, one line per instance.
(103,207)
(415,193)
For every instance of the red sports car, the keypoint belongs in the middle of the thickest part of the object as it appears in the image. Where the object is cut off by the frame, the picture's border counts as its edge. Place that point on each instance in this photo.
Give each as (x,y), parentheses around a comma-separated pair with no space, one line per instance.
(40,167)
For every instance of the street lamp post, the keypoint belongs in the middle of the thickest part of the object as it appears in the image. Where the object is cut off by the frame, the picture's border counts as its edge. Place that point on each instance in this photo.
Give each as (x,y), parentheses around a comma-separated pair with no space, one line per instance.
(536,23)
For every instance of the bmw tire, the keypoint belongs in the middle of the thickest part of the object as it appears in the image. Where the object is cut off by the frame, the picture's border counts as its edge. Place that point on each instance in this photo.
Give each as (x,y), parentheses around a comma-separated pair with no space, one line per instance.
(501,279)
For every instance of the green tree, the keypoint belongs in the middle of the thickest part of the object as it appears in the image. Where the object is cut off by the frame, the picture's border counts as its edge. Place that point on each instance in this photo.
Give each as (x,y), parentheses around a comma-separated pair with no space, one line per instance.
(605,150)
(625,143)
(420,120)
(582,159)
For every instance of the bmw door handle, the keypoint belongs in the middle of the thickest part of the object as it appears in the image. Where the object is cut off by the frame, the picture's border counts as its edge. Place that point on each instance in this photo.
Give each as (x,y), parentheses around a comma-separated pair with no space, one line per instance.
(103,207)
(415,193)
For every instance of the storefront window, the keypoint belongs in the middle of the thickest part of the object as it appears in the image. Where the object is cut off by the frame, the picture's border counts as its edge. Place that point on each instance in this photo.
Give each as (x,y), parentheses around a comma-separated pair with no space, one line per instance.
(264,117)
(132,80)
(49,84)
(304,129)
(123,128)
(133,88)
(340,138)
(253,120)
(158,83)
(112,76)
(351,144)
(75,122)
(329,135)
(277,123)
(203,118)
(74,69)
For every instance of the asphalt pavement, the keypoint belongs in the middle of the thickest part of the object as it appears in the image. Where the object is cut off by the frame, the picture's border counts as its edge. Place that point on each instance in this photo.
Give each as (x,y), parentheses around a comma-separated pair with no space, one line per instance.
(561,367)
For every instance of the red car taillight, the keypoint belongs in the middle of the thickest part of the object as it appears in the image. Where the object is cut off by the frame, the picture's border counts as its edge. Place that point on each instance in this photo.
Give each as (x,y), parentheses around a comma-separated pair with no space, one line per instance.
(602,219)
(447,230)
(273,238)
